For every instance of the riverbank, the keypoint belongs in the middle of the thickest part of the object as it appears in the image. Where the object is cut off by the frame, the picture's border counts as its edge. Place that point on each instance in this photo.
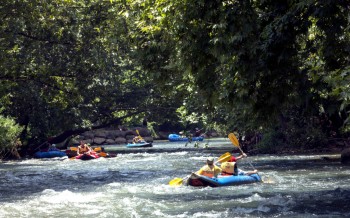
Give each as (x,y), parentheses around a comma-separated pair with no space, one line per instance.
(225,145)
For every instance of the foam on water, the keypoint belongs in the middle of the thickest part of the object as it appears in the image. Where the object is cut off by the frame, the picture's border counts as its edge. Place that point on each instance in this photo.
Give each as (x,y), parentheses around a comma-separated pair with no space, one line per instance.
(136,185)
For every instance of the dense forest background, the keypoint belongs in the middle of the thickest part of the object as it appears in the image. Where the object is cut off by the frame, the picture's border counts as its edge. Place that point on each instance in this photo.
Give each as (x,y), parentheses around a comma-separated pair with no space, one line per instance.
(277,68)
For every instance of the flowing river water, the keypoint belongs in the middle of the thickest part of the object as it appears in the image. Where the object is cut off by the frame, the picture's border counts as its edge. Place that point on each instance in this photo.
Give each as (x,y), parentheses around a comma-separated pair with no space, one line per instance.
(135,184)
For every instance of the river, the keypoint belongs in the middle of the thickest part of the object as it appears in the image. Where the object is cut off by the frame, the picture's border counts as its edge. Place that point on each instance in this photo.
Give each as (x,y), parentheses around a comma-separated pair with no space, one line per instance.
(135,184)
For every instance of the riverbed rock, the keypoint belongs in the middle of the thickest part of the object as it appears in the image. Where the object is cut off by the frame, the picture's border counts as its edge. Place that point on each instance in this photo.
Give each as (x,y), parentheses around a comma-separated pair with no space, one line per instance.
(120,140)
(88,135)
(99,140)
(345,156)
(110,141)
(110,136)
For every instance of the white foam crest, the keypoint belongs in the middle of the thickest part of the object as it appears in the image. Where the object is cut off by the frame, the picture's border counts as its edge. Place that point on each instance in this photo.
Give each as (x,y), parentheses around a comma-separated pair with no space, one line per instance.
(51,201)
(282,202)
(115,184)
(209,214)
(255,197)
(64,197)
(167,189)
(137,207)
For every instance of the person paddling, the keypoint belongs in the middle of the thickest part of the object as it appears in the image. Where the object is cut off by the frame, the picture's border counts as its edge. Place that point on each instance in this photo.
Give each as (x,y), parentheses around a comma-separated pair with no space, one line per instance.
(235,159)
(83,148)
(137,139)
(230,168)
(210,169)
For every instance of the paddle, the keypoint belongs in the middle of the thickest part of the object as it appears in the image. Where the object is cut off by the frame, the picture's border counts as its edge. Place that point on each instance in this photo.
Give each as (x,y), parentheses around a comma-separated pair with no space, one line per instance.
(235,142)
(137,131)
(178,181)
(98,149)
(102,154)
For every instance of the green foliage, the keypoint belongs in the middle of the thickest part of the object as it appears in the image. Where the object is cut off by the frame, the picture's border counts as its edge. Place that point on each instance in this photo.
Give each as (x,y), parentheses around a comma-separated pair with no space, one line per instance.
(295,134)
(251,62)
(220,64)
(69,64)
(9,134)
(150,126)
(339,81)
(271,142)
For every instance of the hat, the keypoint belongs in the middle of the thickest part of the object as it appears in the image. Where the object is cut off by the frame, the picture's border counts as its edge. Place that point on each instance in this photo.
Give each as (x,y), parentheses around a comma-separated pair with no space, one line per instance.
(210,159)
(53,145)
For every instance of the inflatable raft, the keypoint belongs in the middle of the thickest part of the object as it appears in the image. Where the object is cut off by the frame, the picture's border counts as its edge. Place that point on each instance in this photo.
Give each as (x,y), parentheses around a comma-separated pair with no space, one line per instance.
(139,145)
(199,180)
(49,154)
(178,138)
(71,152)
(87,156)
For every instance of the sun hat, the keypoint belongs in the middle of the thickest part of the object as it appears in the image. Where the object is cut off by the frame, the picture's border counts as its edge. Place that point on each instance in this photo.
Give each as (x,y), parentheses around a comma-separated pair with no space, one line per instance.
(210,159)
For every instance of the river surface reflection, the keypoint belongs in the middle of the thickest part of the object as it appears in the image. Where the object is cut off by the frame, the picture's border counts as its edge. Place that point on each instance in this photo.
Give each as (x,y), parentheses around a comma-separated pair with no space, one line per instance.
(135,184)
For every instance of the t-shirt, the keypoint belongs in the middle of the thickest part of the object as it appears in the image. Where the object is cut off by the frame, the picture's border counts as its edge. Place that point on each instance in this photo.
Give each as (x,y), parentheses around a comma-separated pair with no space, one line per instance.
(233,159)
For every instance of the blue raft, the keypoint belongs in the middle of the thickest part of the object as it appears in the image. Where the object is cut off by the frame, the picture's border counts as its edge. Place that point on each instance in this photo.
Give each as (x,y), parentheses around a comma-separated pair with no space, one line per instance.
(139,145)
(178,138)
(49,154)
(199,180)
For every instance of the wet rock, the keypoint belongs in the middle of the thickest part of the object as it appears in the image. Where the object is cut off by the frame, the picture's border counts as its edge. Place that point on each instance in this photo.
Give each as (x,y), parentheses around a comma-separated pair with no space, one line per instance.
(88,135)
(120,140)
(110,141)
(111,136)
(345,156)
(100,134)
(99,140)
(148,138)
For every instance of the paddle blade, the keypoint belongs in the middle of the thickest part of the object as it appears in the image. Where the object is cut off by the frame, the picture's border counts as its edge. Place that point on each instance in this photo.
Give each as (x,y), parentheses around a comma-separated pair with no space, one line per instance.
(138,133)
(102,154)
(268,180)
(97,149)
(224,158)
(176,182)
(233,139)
(73,148)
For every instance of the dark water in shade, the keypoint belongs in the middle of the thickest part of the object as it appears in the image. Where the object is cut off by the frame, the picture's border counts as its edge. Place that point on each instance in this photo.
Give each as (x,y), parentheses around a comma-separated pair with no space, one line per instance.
(135,184)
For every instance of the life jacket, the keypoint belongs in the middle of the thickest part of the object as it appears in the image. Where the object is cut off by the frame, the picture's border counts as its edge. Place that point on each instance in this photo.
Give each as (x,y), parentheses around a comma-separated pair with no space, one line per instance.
(229,168)
(207,171)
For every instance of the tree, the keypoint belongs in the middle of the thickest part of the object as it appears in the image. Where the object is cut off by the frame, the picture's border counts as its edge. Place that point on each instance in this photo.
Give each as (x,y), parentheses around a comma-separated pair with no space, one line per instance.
(254,60)
(68,66)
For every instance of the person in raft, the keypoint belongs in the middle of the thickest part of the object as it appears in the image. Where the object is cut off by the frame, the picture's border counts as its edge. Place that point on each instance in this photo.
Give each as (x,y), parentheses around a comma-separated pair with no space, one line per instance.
(231,169)
(235,159)
(137,139)
(53,148)
(83,149)
(210,169)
